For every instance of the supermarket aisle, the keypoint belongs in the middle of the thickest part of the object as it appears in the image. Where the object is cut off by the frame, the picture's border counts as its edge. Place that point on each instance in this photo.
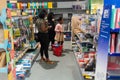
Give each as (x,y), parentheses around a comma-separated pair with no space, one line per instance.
(65,67)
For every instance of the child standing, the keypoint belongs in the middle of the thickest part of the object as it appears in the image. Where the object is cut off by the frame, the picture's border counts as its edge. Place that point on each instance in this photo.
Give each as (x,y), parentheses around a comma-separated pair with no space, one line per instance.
(59,37)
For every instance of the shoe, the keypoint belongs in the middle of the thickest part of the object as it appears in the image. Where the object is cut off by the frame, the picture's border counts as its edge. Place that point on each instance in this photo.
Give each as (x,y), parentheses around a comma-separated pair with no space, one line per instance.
(49,62)
(42,59)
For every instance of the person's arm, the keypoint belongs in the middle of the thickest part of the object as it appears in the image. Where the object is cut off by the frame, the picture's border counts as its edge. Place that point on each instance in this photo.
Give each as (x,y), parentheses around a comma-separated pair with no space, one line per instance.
(57,28)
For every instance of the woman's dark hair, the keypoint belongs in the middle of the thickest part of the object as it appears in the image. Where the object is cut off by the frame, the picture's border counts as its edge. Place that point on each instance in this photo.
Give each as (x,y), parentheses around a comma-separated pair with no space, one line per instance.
(50,16)
(42,14)
(60,18)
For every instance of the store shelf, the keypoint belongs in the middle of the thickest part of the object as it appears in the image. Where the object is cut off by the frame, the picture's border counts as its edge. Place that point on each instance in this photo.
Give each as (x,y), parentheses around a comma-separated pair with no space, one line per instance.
(18,38)
(114,54)
(22,16)
(37,53)
(82,41)
(115,30)
(86,74)
(89,75)
(114,74)
(27,61)
(113,77)
(78,44)
(1,50)
(4,70)
(22,54)
(78,37)
(37,44)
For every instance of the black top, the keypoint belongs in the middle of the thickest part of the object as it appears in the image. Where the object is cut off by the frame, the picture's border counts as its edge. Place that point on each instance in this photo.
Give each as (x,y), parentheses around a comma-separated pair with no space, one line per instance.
(51,31)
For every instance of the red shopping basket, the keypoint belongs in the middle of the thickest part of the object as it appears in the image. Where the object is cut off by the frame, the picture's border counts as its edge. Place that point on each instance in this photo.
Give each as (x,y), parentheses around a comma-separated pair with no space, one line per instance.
(57,50)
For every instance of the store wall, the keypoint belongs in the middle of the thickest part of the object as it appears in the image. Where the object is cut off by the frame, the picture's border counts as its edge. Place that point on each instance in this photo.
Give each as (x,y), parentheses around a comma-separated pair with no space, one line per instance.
(94,5)
(2,4)
(70,4)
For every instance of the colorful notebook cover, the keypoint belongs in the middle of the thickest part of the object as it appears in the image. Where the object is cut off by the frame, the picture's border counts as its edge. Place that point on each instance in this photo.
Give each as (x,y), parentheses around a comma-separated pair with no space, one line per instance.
(113,18)
(117,24)
(112,46)
(118,44)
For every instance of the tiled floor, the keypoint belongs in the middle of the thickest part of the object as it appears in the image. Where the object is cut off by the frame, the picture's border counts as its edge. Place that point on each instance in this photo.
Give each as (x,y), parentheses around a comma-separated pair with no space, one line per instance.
(65,67)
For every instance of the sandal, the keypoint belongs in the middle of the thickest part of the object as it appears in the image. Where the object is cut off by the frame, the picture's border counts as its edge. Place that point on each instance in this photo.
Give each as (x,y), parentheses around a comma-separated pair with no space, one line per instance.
(50,62)
(42,59)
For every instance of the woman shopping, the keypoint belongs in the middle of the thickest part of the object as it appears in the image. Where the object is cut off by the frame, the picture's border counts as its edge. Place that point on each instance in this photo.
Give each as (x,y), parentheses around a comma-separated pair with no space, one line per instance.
(43,36)
(51,31)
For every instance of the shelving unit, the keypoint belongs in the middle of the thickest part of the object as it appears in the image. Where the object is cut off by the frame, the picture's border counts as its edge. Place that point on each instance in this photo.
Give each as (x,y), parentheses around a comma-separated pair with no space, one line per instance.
(9,45)
(86,74)
(29,53)
(113,69)
(84,51)
(114,54)
(108,53)
(115,30)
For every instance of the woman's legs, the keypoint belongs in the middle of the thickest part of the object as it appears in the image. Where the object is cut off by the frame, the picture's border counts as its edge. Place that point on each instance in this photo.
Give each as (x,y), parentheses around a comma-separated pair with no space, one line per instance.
(45,44)
(42,43)
(44,40)
(42,52)
(45,48)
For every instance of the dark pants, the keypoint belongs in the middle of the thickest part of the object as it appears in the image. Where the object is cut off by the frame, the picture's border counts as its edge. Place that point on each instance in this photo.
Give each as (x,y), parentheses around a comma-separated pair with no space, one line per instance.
(44,41)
